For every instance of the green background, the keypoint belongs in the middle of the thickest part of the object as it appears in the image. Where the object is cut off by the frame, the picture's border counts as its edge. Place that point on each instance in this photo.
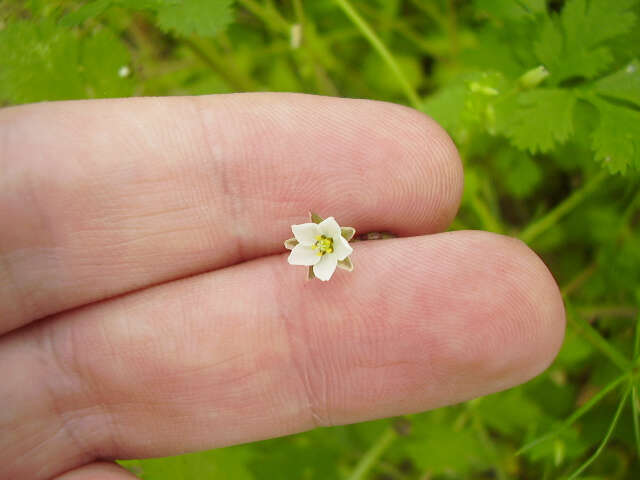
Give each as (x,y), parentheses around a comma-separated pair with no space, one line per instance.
(543,102)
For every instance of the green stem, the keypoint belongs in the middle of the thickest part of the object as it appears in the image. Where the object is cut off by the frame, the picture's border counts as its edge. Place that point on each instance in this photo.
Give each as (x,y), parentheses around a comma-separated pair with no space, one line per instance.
(382,50)
(594,337)
(541,225)
(233,77)
(592,311)
(575,415)
(373,454)
(576,282)
(603,444)
(272,18)
(489,447)
(487,219)
(636,340)
(636,421)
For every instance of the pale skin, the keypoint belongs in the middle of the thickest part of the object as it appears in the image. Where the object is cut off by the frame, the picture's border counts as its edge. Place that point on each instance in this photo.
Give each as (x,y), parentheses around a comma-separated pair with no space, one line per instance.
(147,307)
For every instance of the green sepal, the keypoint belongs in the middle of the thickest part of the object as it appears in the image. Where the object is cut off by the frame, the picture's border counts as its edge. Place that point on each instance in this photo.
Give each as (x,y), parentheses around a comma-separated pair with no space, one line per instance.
(289,244)
(347,232)
(310,274)
(346,264)
(315,218)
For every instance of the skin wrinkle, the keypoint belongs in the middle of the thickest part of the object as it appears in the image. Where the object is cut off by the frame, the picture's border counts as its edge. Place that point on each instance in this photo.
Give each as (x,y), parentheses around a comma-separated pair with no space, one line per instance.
(298,357)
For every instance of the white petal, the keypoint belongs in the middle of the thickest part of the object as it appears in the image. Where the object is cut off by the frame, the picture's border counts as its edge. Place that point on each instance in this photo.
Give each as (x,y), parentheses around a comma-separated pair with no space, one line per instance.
(325,267)
(306,233)
(341,247)
(329,227)
(303,255)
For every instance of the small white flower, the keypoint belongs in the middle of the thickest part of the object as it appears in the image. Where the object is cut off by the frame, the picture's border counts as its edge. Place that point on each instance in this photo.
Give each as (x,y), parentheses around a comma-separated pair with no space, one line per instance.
(322,246)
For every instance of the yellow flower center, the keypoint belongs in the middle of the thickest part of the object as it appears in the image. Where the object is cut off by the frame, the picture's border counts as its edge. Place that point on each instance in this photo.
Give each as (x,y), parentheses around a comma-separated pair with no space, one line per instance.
(323,245)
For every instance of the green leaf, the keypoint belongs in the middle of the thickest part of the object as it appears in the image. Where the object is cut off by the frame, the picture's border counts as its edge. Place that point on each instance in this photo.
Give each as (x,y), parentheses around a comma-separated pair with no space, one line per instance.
(85,12)
(623,84)
(519,173)
(511,9)
(539,119)
(39,61)
(616,140)
(446,107)
(213,464)
(105,62)
(201,17)
(573,45)
(437,446)
(508,412)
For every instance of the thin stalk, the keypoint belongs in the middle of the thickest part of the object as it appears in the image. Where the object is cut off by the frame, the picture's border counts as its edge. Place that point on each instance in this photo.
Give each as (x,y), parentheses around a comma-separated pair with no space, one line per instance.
(536,228)
(225,69)
(606,438)
(579,280)
(489,447)
(592,311)
(382,50)
(575,415)
(272,18)
(368,461)
(636,421)
(452,28)
(487,219)
(636,341)
(594,337)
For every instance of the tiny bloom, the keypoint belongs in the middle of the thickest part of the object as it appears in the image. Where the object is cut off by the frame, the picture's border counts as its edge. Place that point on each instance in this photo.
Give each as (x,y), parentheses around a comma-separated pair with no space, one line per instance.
(321,245)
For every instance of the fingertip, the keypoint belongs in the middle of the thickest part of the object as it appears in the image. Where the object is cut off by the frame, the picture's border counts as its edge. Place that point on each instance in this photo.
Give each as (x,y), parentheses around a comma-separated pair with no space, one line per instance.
(98,471)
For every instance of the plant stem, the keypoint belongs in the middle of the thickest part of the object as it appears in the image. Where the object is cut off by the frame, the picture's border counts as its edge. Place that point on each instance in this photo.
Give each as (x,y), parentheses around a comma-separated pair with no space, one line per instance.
(489,447)
(636,421)
(603,444)
(591,311)
(373,454)
(577,281)
(382,50)
(594,337)
(225,69)
(487,219)
(575,415)
(541,225)
(272,18)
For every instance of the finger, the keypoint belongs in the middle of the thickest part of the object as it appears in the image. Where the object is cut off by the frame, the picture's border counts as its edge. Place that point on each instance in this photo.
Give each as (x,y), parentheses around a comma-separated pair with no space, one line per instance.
(102,197)
(98,471)
(254,351)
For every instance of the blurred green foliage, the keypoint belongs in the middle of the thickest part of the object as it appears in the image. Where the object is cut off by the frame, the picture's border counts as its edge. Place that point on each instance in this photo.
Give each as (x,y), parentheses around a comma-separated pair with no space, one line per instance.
(543,101)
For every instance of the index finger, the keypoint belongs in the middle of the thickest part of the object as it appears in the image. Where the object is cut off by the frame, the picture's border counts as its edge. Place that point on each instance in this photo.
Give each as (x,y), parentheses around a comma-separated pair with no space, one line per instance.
(115,195)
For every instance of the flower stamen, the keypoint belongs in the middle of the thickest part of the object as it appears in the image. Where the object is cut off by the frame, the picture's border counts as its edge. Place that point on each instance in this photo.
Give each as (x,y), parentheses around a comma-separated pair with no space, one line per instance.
(323,244)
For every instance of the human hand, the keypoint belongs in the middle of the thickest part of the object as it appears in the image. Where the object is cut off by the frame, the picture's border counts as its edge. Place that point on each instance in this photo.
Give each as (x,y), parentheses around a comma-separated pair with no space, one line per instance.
(147,307)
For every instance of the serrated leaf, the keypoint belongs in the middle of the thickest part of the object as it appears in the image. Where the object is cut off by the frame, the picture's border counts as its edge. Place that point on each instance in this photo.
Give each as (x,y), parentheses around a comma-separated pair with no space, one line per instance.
(616,139)
(39,61)
(539,119)
(572,45)
(623,84)
(104,58)
(201,17)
